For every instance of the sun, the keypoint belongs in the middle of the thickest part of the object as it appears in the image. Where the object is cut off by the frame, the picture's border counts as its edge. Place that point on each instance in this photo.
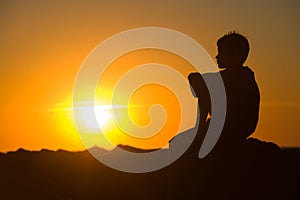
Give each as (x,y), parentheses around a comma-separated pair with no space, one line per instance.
(102,115)
(93,119)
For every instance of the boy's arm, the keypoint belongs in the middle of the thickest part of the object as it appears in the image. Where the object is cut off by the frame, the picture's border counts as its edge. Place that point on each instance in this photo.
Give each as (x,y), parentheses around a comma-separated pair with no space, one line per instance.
(200,91)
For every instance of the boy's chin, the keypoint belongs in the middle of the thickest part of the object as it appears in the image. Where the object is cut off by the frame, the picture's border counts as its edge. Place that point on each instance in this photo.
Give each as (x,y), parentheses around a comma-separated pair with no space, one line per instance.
(221,67)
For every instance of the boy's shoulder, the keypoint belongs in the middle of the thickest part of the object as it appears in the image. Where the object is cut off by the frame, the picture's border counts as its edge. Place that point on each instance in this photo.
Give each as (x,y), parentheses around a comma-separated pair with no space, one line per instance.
(238,74)
(241,70)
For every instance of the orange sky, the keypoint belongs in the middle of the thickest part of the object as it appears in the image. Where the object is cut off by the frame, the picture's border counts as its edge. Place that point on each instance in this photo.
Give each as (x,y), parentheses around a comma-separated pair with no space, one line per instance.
(43,44)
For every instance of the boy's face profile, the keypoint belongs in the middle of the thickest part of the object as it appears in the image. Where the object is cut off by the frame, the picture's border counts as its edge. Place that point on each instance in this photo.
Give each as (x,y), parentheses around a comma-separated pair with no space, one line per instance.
(220,59)
(226,58)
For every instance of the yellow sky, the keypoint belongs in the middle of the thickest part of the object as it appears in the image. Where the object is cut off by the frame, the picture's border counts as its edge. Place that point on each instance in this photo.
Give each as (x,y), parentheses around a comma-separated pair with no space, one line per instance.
(43,44)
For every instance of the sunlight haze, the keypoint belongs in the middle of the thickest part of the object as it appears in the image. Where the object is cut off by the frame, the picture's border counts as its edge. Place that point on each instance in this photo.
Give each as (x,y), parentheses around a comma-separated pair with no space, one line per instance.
(43,44)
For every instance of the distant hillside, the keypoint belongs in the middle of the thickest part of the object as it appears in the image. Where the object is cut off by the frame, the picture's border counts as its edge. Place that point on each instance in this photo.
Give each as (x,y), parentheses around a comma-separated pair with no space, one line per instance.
(259,170)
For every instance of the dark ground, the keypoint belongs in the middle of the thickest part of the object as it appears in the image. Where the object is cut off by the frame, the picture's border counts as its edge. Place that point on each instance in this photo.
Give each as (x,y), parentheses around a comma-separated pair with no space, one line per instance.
(258,170)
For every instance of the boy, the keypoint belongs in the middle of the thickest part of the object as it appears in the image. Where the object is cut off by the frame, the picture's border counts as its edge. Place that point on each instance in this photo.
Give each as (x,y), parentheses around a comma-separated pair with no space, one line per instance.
(241,89)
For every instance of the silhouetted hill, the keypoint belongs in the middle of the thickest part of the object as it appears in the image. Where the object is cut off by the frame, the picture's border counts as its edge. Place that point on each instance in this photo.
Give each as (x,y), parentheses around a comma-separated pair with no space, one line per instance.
(133,149)
(258,170)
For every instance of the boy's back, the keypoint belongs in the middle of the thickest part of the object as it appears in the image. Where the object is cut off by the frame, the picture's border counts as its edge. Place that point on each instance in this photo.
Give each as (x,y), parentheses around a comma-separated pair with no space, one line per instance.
(243,99)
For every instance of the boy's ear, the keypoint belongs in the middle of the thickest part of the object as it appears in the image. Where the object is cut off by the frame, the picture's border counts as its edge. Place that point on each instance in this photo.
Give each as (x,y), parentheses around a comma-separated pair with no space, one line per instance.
(197,83)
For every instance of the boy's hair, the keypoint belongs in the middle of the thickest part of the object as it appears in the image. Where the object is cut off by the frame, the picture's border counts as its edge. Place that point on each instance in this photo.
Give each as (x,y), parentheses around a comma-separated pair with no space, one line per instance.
(236,44)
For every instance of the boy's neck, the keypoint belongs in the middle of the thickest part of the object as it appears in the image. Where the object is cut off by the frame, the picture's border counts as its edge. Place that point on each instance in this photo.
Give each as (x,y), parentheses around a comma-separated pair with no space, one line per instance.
(235,67)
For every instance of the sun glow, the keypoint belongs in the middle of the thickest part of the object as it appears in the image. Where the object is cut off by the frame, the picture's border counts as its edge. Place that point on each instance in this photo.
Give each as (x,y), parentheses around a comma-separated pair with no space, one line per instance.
(94,118)
(144,117)
(102,115)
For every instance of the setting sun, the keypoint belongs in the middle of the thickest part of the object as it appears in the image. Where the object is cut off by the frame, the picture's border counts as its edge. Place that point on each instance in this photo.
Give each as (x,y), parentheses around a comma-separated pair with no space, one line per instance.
(102,115)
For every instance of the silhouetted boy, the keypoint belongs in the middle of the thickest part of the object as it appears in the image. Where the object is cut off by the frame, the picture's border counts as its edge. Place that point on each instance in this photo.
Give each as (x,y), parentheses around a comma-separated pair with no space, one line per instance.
(190,176)
(241,89)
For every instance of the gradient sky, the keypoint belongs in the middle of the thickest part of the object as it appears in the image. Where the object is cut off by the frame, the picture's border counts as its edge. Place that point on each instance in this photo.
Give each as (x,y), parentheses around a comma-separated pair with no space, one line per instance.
(43,44)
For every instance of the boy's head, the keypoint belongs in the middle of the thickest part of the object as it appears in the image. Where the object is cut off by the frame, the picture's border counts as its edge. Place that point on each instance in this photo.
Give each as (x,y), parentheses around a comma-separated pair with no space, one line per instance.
(233,49)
